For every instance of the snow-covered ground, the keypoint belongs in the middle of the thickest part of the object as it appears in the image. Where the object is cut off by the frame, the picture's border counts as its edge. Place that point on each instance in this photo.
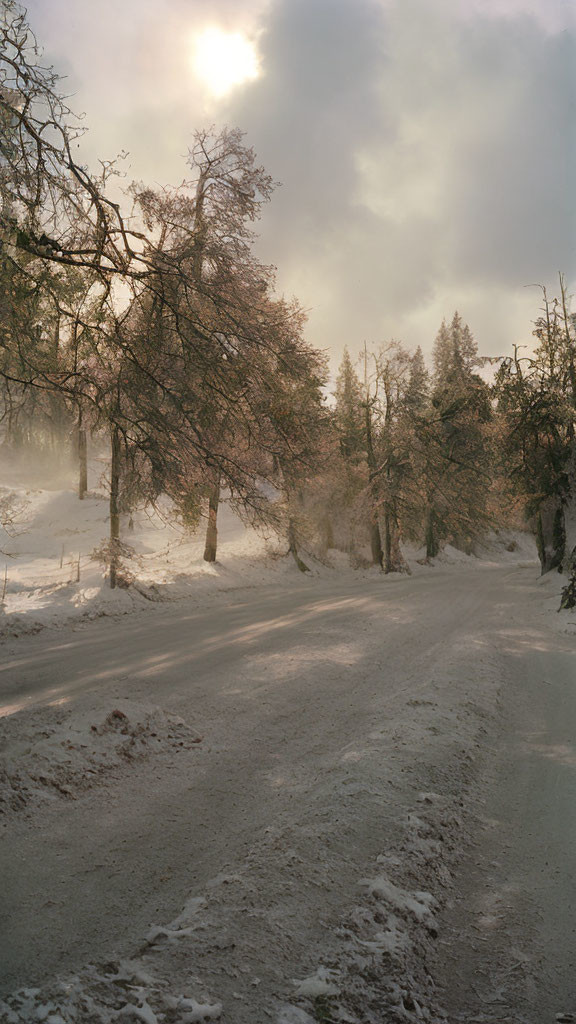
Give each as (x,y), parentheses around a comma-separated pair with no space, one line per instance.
(49,575)
(54,536)
(256,809)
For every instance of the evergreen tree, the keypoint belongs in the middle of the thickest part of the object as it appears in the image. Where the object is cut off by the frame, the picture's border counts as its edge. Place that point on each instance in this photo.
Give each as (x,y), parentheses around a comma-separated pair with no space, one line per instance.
(452,456)
(348,416)
(418,387)
(455,351)
(468,349)
(443,353)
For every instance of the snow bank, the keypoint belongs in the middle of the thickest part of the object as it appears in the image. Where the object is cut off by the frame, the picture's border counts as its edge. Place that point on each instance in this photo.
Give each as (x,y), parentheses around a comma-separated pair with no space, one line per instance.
(544,603)
(381,969)
(508,547)
(381,962)
(53,753)
(120,991)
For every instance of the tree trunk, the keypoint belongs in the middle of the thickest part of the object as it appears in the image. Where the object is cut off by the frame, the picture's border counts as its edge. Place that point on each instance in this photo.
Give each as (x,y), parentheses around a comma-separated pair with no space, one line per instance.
(569,562)
(394,560)
(375,538)
(82,458)
(114,507)
(550,534)
(10,415)
(211,545)
(387,554)
(293,547)
(399,563)
(376,543)
(431,541)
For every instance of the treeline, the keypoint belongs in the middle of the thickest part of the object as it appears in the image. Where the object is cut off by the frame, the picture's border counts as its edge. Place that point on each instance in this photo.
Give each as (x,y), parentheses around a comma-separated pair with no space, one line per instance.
(413,459)
(144,316)
(446,453)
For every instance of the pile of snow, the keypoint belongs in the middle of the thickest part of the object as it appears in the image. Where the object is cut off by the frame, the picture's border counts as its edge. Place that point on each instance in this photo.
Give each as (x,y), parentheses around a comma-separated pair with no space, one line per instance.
(498,547)
(50,753)
(120,991)
(388,942)
(508,546)
(381,962)
(322,983)
(419,904)
(560,620)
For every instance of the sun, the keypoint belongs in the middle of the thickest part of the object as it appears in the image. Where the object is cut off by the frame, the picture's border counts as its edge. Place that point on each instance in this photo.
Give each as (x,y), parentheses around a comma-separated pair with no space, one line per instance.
(223,60)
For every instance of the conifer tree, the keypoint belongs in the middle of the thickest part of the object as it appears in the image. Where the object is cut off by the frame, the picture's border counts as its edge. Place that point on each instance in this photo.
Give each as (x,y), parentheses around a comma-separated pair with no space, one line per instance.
(418,387)
(452,456)
(348,411)
(443,353)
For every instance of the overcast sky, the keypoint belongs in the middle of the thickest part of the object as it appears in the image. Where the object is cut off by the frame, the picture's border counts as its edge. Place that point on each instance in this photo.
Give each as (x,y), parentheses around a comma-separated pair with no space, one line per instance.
(426,148)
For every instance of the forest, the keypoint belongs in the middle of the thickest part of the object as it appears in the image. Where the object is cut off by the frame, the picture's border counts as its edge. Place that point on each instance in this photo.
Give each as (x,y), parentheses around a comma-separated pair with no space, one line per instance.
(144,316)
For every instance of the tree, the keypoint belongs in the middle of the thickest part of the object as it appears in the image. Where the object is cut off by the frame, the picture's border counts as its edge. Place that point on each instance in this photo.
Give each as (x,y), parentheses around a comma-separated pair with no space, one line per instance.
(190,351)
(443,352)
(537,402)
(348,418)
(452,454)
(369,403)
(229,190)
(393,369)
(418,387)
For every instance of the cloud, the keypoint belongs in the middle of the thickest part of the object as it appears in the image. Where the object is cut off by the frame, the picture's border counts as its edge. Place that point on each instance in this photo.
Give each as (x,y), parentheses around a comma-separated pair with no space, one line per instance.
(425,150)
(426,147)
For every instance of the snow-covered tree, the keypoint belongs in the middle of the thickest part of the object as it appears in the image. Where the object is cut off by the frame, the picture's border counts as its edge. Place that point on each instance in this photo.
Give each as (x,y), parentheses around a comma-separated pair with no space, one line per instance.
(537,404)
(452,457)
(348,417)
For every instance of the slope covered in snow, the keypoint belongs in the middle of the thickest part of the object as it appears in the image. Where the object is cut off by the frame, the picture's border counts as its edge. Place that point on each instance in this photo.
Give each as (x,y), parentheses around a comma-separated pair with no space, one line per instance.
(50,576)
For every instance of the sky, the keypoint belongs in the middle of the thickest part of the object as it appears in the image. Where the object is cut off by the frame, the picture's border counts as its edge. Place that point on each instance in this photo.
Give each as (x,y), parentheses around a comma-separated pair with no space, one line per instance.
(426,149)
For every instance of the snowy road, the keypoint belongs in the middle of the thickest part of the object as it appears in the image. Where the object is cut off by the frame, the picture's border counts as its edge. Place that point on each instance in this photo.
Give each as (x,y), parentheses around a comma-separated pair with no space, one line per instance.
(325,709)
(512,932)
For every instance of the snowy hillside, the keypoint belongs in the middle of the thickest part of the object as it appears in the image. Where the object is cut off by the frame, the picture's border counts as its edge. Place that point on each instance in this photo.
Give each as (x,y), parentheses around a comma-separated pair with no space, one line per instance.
(53,537)
(52,577)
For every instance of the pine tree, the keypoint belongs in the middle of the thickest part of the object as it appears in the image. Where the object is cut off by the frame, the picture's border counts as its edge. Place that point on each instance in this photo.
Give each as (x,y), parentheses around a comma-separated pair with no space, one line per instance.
(443,353)
(418,387)
(348,415)
(468,349)
(455,352)
(394,371)
(453,457)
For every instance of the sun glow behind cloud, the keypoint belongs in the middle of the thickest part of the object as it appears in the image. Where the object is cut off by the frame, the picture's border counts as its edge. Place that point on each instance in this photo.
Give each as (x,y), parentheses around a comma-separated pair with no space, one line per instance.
(452,185)
(223,60)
